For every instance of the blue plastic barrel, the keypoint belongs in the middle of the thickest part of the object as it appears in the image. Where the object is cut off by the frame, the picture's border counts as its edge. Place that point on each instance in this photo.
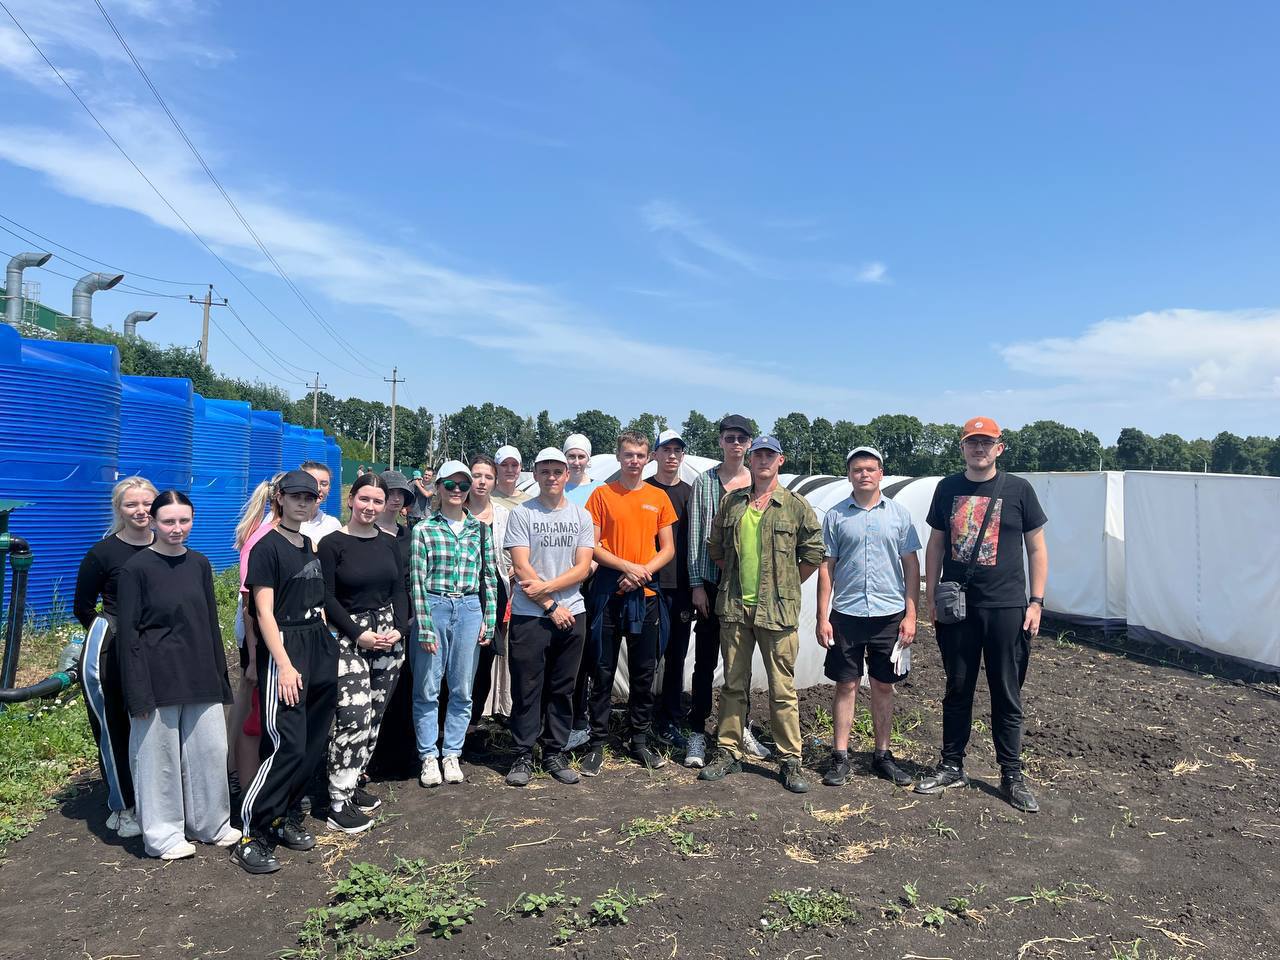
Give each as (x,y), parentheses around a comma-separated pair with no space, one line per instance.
(220,472)
(266,444)
(157,419)
(316,450)
(59,440)
(334,459)
(293,447)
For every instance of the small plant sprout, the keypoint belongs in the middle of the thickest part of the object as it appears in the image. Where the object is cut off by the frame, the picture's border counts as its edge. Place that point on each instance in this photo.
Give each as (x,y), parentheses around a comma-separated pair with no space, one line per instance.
(934,917)
(941,829)
(910,895)
(804,908)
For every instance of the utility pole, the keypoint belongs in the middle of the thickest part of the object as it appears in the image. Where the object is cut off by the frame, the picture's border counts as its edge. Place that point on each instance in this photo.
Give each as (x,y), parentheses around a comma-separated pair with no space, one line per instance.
(373,442)
(315,398)
(207,303)
(391,457)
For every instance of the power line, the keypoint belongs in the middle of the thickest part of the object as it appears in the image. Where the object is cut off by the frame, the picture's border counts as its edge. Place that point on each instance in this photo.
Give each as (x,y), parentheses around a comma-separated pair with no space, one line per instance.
(284,364)
(165,200)
(85,256)
(360,358)
(247,356)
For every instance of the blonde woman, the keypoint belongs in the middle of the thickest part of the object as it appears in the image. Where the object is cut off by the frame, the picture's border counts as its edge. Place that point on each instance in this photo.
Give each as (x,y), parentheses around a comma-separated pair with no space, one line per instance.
(99,577)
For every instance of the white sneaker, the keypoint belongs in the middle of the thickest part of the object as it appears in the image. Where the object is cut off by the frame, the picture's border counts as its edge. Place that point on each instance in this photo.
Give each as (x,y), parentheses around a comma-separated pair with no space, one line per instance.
(753,747)
(577,738)
(181,849)
(228,838)
(113,820)
(127,824)
(452,771)
(430,776)
(695,754)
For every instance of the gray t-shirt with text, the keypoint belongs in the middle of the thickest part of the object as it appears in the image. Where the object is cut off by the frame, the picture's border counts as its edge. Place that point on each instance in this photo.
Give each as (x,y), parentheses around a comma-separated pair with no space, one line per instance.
(554,538)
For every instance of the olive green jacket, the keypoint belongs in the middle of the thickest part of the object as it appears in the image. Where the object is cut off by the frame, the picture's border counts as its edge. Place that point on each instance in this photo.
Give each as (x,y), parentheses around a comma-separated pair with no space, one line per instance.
(790,535)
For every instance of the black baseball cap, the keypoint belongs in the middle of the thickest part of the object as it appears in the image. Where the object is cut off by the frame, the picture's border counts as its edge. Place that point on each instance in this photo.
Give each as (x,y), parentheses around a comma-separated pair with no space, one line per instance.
(299,481)
(735,422)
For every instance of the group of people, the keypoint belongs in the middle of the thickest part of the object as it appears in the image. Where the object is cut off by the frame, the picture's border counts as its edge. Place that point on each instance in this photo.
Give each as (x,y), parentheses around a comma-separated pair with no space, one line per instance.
(457,593)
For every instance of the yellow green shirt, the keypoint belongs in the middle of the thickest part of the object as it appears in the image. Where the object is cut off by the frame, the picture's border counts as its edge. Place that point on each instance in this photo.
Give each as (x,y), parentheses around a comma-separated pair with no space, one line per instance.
(749,554)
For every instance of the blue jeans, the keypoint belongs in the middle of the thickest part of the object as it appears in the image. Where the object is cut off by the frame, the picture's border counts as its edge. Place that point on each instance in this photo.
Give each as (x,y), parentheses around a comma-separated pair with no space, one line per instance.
(457,623)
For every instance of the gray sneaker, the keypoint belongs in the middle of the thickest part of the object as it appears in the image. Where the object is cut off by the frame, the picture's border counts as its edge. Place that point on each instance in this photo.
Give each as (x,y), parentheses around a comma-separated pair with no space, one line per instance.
(695,753)
(752,747)
(577,738)
(943,778)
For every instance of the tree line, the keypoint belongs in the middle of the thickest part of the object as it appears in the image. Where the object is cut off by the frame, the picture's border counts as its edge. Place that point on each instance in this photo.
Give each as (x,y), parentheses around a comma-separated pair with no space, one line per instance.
(911,447)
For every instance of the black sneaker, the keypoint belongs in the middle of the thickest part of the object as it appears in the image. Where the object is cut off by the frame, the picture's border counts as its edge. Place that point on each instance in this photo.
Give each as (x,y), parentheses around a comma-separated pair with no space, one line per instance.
(838,772)
(1014,788)
(943,778)
(886,765)
(557,764)
(521,771)
(254,856)
(792,776)
(290,833)
(646,756)
(348,818)
(592,762)
(722,764)
(365,800)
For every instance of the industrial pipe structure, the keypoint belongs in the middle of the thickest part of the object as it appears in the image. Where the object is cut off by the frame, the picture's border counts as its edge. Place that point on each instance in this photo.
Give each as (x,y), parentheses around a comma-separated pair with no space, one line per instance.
(13,283)
(132,320)
(86,287)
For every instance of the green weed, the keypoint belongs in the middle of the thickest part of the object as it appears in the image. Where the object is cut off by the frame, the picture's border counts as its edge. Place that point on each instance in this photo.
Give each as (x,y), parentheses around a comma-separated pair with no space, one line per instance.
(942,830)
(910,895)
(934,917)
(803,909)
(684,841)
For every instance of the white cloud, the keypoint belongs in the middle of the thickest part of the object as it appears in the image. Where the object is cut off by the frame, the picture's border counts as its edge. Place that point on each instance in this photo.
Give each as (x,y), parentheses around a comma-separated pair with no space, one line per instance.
(871,272)
(671,221)
(1181,354)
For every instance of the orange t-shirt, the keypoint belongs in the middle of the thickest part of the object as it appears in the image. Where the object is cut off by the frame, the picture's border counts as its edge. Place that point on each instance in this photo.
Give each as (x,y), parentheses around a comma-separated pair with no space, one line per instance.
(629,520)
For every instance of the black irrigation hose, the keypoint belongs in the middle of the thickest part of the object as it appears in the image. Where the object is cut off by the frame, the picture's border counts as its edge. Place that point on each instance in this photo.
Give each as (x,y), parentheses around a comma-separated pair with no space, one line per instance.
(48,687)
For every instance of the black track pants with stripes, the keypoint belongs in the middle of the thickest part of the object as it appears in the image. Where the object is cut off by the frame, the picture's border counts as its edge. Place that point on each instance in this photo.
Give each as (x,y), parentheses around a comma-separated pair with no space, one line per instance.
(294,739)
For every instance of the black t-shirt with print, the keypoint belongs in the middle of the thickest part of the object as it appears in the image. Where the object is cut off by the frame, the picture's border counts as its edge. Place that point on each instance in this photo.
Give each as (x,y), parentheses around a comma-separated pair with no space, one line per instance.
(959,504)
(293,573)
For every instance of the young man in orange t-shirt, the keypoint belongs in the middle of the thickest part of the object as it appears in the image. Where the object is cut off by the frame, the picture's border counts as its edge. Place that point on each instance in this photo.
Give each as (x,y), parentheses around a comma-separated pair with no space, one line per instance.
(633,542)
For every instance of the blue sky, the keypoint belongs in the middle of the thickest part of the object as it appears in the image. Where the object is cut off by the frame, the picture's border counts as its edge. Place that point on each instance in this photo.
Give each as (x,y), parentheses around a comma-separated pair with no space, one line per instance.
(1001,209)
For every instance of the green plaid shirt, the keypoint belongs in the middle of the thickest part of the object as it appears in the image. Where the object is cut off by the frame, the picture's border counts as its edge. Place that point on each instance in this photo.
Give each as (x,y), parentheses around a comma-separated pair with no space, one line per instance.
(440,562)
(703,503)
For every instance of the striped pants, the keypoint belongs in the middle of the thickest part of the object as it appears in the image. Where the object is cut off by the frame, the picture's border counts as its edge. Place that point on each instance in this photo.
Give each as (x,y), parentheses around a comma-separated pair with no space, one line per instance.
(108,715)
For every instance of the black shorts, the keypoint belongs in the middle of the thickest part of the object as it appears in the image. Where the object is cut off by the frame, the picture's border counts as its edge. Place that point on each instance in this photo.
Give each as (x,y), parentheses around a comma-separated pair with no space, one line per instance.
(859,638)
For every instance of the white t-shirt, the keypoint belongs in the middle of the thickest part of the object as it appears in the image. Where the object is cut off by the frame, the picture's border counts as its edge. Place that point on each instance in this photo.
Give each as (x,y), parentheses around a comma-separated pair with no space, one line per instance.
(320,527)
(554,538)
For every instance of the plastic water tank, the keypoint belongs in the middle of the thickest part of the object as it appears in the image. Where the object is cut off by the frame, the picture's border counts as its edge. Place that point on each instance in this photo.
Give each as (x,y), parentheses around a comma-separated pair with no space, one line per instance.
(334,459)
(266,443)
(293,447)
(220,472)
(316,450)
(157,419)
(59,440)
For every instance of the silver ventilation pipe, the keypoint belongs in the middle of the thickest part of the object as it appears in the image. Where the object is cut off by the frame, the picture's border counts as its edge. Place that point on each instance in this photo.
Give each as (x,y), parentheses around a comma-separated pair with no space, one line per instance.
(86,287)
(132,320)
(13,283)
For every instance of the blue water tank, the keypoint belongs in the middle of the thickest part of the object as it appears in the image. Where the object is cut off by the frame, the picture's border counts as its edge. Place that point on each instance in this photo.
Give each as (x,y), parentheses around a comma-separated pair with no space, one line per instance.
(294,447)
(59,440)
(266,444)
(157,417)
(316,450)
(334,459)
(220,472)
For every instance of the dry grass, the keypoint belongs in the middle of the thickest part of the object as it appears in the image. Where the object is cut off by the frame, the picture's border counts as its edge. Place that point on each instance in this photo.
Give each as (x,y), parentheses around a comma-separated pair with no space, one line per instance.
(858,852)
(1186,766)
(799,855)
(845,812)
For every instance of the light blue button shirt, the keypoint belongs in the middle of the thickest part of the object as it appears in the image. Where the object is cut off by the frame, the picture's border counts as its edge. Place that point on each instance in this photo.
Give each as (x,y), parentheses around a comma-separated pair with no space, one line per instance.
(867,547)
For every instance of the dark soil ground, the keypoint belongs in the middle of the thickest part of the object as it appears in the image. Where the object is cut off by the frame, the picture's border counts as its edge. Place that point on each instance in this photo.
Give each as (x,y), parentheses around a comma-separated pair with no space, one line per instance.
(1160,824)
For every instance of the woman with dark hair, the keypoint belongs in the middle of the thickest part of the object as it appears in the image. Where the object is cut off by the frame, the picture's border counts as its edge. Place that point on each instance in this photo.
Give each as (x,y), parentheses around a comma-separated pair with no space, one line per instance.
(175,680)
(367,606)
(297,677)
(99,576)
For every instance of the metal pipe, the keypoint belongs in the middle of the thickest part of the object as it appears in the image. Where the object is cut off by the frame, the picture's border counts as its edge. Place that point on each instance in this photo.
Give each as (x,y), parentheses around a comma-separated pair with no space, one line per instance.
(86,287)
(132,320)
(13,283)
(20,561)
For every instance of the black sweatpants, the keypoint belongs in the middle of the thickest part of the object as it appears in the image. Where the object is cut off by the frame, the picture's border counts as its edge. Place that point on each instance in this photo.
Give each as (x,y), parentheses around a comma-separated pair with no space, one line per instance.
(642,666)
(294,739)
(706,653)
(677,622)
(543,660)
(994,636)
(102,679)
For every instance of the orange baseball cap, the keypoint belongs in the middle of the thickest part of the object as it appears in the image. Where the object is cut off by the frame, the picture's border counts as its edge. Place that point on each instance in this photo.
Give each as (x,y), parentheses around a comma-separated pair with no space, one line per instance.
(981,427)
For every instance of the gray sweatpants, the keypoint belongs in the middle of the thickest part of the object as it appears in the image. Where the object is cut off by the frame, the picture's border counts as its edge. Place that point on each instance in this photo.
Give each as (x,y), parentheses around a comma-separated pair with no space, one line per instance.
(180,774)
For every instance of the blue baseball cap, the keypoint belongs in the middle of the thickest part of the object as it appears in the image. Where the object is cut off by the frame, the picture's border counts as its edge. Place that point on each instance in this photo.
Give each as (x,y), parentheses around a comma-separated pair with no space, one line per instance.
(765,443)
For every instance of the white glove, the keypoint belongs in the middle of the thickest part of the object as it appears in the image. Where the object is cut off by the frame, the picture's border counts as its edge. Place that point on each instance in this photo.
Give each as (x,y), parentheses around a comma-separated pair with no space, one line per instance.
(901,659)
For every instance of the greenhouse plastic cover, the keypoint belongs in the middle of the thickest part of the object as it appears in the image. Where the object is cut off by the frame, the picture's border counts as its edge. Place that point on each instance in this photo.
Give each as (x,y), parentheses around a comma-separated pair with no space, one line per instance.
(1201,552)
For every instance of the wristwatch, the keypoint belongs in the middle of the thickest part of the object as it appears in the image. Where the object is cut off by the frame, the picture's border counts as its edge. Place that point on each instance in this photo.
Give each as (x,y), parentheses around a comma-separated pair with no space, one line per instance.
(551,609)
(1036,600)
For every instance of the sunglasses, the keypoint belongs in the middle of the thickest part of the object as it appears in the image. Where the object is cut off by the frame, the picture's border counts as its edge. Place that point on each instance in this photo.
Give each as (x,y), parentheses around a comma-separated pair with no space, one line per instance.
(463,485)
(734,438)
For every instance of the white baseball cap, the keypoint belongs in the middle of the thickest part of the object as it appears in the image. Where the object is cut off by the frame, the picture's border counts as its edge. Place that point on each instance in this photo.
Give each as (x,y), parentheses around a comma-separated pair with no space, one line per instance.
(451,467)
(550,453)
(575,441)
(869,451)
(506,452)
(670,436)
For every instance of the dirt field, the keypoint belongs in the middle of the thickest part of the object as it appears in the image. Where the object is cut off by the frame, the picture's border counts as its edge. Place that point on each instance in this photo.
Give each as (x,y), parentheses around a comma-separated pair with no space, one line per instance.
(1159,837)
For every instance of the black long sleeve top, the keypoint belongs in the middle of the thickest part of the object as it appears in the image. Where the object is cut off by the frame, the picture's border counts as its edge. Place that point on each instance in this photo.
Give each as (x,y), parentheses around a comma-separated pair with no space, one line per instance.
(170,640)
(99,576)
(362,574)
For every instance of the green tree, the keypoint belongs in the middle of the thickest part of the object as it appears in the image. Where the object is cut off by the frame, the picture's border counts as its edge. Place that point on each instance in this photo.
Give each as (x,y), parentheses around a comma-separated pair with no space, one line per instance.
(793,433)
(1228,453)
(1170,452)
(827,457)
(1199,455)
(648,425)
(545,432)
(895,435)
(701,436)
(1135,450)
(600,428)
(1273,459)
(845,435)
(1255,455)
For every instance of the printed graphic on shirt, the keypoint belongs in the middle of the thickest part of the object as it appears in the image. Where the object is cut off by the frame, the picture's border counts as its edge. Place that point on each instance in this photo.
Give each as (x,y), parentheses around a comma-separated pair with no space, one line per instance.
(966,520)
(555,533)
